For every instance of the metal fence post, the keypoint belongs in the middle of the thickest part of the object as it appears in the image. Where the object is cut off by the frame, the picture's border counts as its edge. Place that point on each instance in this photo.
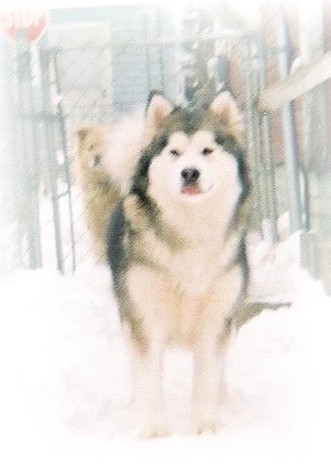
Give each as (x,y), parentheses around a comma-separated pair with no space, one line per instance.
(9,247)
(253,138)
(289,134)
(268,165)
(49,117)
(27,151)
(64,144)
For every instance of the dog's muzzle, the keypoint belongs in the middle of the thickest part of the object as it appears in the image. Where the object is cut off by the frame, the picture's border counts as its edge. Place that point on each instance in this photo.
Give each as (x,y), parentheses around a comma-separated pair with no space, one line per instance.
(190,181)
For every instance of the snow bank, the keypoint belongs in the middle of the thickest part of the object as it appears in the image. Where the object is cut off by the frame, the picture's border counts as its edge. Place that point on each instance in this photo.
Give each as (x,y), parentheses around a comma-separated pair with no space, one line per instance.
(65,382)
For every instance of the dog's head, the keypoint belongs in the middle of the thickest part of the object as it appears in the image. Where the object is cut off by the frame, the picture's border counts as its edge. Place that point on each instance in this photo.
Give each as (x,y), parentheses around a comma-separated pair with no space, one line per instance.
(91,144)
(194,153)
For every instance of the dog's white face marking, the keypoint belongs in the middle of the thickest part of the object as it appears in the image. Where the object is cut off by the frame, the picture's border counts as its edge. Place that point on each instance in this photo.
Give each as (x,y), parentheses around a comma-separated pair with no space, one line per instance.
(193,168)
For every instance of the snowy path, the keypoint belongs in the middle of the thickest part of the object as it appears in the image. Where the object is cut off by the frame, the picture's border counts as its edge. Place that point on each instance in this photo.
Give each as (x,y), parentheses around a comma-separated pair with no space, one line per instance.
(64,379)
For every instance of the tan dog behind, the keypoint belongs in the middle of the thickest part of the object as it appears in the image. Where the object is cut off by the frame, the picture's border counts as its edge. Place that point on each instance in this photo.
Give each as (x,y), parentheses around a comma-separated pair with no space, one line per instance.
(100,193)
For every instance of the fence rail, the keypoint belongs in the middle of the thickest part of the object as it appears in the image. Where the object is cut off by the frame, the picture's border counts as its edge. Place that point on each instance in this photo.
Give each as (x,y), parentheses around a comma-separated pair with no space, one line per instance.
(300,82)
(313,215)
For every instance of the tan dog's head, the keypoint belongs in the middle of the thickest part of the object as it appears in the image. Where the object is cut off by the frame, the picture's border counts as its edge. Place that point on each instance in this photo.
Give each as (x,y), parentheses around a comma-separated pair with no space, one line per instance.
(91,144)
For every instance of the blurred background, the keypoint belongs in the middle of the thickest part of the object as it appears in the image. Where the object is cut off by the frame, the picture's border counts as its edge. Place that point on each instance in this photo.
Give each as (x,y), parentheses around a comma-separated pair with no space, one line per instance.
(63,67)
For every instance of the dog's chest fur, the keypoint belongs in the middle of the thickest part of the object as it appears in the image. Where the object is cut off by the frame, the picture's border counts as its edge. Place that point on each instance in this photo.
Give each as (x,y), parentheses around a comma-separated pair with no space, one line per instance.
(192,247)
(191,268)
(178,280)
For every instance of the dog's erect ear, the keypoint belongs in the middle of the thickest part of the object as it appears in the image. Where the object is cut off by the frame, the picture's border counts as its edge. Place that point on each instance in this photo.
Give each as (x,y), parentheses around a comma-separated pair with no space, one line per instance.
(82,133)
(158,109)
(227,110)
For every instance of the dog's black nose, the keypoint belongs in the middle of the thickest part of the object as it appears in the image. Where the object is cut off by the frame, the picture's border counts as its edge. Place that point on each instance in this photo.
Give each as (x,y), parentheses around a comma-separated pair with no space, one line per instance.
(190,176)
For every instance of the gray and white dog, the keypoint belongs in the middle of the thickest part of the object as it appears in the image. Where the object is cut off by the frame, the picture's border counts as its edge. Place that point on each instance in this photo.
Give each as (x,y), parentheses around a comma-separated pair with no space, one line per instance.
(177,251)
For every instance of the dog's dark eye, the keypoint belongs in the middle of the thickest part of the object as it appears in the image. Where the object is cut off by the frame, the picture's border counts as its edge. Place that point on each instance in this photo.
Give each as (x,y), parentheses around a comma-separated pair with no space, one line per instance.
(206,151)
(174,152)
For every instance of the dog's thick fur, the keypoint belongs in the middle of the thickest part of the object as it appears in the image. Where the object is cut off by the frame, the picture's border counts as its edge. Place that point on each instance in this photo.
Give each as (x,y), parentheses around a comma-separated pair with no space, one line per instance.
(100,193)
(177,251)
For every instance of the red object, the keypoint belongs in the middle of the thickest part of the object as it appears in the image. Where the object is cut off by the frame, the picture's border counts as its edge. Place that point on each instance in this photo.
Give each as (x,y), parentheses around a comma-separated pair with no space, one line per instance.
(33,20)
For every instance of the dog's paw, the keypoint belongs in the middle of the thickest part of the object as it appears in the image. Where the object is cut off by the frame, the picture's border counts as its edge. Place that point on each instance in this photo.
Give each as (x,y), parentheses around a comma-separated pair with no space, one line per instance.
(205,427)
(152,431)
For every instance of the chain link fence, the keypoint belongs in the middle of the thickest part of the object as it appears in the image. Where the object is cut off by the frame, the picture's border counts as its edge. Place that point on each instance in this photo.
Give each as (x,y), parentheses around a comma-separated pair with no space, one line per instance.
(88,74)
(59,89)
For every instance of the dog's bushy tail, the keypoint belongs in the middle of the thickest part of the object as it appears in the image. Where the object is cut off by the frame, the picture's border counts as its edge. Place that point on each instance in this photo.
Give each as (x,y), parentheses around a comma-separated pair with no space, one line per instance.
(124,142)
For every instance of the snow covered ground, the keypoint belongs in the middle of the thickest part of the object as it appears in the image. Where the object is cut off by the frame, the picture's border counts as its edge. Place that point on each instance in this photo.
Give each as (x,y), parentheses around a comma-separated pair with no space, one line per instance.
(65,385)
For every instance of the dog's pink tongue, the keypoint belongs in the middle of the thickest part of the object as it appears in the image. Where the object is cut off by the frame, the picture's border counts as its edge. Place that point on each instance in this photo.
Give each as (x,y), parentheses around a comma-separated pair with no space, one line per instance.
(191,190)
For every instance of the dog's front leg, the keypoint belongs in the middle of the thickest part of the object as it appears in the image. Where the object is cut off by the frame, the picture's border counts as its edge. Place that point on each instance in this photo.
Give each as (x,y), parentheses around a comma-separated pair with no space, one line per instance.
(147,388)
(208,370)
